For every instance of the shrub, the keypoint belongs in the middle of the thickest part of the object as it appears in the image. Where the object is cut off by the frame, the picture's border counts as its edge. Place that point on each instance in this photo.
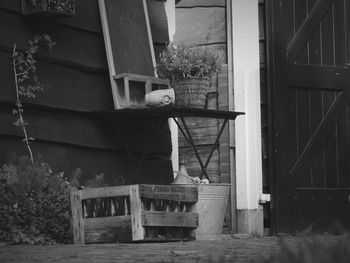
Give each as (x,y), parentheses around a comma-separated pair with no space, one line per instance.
(34,203)
(311,250)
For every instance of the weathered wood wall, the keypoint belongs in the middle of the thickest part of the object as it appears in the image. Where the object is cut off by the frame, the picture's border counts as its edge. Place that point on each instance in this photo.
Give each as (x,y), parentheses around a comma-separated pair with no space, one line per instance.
(75,76)
(204,23)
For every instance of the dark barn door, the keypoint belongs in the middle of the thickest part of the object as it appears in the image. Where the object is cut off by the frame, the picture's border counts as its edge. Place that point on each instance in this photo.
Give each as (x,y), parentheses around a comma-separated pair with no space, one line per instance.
(310,80)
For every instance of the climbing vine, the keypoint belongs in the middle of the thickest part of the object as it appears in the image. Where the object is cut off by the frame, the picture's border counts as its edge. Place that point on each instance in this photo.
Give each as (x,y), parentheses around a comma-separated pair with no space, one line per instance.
(26,80)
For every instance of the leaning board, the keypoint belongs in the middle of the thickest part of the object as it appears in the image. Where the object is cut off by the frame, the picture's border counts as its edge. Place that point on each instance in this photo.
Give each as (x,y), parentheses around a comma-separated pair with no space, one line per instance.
(128,40)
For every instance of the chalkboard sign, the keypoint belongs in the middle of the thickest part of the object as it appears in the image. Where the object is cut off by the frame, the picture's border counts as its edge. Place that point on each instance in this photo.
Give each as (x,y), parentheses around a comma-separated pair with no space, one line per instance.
(128,40)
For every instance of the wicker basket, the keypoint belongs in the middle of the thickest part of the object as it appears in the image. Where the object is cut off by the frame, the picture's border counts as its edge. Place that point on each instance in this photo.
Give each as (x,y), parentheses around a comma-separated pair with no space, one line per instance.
(191,92)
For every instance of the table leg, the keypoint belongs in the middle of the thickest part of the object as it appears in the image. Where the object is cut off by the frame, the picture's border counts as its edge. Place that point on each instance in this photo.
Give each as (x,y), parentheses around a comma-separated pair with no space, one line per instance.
(186,133)
(215,144)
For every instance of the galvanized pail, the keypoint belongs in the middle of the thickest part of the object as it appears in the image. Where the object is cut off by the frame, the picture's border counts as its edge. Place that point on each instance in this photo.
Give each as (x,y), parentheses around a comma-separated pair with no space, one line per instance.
(211,208)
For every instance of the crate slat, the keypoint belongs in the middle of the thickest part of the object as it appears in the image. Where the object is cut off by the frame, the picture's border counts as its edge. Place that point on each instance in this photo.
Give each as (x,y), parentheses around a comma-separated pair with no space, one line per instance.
(169,192)
(90,193)
(172,219)
(135,207)
(77,217)
(107,229)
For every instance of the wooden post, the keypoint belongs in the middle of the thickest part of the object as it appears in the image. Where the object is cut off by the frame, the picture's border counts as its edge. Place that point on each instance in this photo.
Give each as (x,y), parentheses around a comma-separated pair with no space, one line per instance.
(246,82)
(77,217)
(126,92)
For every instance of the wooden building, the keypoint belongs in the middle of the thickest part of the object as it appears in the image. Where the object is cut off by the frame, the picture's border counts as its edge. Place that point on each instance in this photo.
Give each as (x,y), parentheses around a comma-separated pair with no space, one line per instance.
(284,63)
(62,118)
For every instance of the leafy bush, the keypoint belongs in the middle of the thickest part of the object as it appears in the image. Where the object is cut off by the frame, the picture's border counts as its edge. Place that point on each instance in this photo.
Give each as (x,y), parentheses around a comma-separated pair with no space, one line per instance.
(311,250)
(182,61)
(34,203)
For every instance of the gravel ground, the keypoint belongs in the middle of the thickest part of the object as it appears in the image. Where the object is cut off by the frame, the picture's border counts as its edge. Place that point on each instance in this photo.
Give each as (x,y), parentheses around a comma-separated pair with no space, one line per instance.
(229,249)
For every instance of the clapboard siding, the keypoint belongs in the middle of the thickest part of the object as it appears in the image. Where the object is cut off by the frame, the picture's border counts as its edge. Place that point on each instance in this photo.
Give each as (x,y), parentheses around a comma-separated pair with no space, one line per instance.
(193,167)
(194,122)
(224,144)
(92,161)
(74,46)
(158,21)
(223,103)
(87,17)
(201,3)
(76,90)
(201,25)
(75,75)
(221,51)
(86,130)
(86,52)
(58,128)
(196,128)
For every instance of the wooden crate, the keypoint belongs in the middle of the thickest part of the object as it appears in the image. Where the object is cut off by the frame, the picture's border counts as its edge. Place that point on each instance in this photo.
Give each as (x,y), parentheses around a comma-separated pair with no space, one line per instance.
(131,89)
(134,213)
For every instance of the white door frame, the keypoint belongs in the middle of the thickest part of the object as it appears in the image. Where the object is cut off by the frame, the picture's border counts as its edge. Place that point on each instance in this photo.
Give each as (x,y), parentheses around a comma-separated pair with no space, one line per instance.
(244,68)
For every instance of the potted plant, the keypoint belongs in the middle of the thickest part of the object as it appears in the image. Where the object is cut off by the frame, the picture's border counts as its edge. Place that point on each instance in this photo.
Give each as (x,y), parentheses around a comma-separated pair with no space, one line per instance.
(189,69)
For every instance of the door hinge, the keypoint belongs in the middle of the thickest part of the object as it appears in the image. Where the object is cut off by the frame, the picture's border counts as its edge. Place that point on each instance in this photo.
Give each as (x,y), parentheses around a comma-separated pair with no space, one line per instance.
(264,198)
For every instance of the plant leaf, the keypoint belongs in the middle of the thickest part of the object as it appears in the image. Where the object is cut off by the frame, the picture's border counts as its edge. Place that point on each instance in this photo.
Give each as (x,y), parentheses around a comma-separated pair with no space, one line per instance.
(18,123)
(36,39)
(19,104)
(47,38)
(51,44)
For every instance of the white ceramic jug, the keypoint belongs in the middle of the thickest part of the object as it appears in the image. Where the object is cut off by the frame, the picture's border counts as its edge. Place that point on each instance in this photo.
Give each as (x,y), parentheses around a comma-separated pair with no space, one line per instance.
(159,98)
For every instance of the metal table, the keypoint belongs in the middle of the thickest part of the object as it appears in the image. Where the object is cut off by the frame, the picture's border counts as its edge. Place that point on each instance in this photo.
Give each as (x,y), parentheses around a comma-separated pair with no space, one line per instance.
(179,114)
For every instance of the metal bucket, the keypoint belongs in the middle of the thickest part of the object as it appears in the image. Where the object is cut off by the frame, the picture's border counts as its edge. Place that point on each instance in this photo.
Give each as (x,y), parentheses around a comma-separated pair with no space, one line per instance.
(211,208)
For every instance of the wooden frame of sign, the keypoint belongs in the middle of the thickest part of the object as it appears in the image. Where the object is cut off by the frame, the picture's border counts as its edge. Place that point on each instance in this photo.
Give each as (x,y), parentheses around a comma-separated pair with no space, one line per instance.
(129,49)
